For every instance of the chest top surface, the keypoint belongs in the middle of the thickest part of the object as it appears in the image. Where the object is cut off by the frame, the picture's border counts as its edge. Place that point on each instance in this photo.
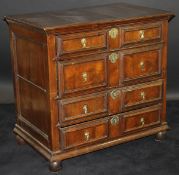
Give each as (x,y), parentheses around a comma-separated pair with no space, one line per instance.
(89,15)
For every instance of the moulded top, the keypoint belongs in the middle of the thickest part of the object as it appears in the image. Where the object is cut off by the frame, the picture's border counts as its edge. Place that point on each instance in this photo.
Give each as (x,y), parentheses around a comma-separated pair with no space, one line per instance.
(88,15)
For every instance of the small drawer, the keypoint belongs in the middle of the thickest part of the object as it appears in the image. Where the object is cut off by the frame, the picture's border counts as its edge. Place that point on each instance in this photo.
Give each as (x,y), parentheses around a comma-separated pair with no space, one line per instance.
(143,118)
(81,42)
(141,33)
(84,133)
(141,63)
(142,93)
(84,107)
(83,74)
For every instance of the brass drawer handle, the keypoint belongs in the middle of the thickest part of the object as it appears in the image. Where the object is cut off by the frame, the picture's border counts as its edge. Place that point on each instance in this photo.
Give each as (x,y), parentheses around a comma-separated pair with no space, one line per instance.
(84,76)
(85,109)
(114,120)
(113,57)
(142,94)
(114,94)
(141,34)
(84,43)
(113,33)
(86,136)
(142,65)
(142,122)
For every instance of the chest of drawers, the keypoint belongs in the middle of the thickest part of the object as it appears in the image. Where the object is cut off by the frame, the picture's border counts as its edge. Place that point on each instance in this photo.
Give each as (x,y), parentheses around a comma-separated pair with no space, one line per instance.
(89,78)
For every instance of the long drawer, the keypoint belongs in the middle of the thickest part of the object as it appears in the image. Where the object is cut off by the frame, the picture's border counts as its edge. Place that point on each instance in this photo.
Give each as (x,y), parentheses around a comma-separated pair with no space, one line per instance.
(108,39)
(108,128)
(115,69)
(96,105)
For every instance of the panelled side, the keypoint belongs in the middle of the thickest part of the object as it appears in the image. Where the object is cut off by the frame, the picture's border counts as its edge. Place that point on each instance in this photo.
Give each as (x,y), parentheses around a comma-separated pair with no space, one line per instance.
(28,48)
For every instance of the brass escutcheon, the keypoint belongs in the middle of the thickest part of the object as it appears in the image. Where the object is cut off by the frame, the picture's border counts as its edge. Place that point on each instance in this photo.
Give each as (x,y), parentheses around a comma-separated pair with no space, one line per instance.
(114,120)
(141,34)
(85,109)
(85,76)
(142,65)
(86,135)
(113,57)
(114,94)
(84,43)
(113,33)
(142,94)
(142,121)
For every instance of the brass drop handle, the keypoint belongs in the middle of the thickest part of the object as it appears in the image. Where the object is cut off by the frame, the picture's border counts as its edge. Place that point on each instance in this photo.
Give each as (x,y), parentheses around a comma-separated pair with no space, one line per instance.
(141,34)
(114,120)
(86,136)
(142,94)
(84,76)
(142,65)
(113,57)
(113,33)
(114,94)
(142,122)
(85,109)
(84,43)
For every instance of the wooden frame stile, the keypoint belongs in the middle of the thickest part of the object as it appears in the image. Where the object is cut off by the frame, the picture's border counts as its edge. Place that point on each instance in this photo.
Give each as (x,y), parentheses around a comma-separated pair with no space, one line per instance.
(164,68)
(53,94)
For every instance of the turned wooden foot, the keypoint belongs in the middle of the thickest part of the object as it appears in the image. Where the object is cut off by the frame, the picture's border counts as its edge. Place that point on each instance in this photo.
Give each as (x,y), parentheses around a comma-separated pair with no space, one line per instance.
(160,136)
(55,166)
(19,140)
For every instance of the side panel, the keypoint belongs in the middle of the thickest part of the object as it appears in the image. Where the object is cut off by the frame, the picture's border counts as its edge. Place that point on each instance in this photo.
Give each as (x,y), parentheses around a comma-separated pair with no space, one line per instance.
(28,48)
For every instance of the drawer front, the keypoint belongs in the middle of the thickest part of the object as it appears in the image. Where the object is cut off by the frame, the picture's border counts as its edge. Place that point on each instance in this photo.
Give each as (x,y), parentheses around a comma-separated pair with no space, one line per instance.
(84,133)
(82,75)
(141,33)
(140,119)
(83,107)
(142,93)
(140,64)
(81,42)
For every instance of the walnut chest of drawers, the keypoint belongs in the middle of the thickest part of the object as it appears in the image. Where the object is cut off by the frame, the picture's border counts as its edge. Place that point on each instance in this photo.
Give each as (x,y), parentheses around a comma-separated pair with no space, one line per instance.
(89,78)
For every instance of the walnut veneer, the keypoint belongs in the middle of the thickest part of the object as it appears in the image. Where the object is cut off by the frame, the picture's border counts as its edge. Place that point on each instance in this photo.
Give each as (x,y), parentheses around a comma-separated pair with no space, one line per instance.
(89,78)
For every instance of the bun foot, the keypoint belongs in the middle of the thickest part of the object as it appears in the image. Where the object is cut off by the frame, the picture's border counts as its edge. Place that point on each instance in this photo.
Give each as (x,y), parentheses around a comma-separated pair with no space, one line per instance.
(55,166)
(19,140)
(160,136)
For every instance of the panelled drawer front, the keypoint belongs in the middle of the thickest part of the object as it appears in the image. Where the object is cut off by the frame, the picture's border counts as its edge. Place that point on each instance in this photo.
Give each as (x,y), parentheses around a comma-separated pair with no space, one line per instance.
(142,118)
(83,107)
(81,42)
(82,75)
(84,133)
(142,93)
(141,33)
(140,64)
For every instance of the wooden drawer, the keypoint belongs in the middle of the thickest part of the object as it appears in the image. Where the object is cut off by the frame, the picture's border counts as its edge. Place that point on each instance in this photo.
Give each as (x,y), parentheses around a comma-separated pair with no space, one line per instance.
(141,33)
(143,118)
(84,133)
(141,63)
(142,93)
(81,42)
(83,74)
(83,108)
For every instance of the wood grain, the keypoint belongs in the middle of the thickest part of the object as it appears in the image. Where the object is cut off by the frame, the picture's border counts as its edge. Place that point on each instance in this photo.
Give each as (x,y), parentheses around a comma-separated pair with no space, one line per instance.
(79,87)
